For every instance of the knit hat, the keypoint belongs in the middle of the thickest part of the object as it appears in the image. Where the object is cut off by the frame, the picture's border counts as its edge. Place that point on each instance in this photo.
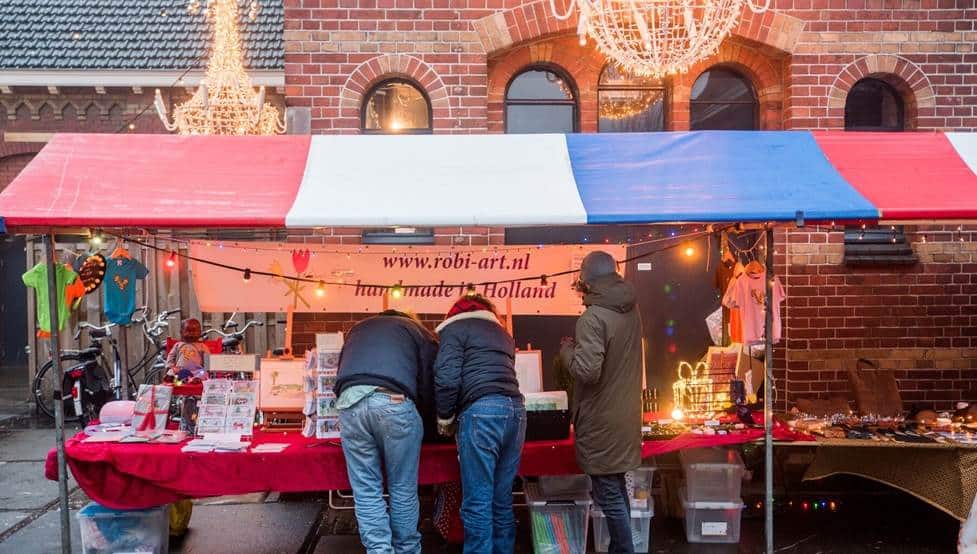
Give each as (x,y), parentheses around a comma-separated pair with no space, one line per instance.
(470,304)
(597,264)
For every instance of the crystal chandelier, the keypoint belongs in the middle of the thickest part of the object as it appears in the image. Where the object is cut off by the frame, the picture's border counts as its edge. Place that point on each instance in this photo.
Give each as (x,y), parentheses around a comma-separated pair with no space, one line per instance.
(655,38)
(225,102)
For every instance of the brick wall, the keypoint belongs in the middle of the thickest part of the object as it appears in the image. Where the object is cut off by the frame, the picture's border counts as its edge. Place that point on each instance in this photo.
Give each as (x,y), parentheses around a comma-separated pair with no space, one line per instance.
(918,320)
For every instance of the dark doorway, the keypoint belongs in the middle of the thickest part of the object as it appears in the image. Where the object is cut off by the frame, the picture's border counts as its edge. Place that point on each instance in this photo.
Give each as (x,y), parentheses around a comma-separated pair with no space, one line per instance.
(13,303)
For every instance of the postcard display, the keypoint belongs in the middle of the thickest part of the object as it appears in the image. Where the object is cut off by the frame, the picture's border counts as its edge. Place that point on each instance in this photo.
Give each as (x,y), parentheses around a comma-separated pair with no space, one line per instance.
(227,406)
(322,365)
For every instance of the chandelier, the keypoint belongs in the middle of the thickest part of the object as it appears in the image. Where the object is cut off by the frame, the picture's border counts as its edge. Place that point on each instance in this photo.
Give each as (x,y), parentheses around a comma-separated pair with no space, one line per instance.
(655,38)
(225,103)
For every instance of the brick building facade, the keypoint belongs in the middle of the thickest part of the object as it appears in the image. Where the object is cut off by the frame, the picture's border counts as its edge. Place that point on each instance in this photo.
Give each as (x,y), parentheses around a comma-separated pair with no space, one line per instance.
(802,58)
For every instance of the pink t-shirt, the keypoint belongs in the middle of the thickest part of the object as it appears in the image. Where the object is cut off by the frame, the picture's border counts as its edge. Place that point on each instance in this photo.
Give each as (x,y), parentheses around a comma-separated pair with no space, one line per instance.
(747,293)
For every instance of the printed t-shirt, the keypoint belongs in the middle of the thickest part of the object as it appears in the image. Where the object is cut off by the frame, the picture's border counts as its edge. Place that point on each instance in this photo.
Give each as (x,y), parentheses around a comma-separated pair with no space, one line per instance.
(190,356)
(36,278)
(121,275)
(748,293)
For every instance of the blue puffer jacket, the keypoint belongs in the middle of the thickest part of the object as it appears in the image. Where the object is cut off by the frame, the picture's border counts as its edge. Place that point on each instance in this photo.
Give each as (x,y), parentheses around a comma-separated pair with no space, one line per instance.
(476,358)
(390,351)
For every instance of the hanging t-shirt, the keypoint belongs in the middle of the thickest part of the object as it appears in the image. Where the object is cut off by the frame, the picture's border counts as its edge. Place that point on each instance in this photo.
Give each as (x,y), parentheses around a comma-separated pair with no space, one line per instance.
(121,275)
(748,293)
(36,278)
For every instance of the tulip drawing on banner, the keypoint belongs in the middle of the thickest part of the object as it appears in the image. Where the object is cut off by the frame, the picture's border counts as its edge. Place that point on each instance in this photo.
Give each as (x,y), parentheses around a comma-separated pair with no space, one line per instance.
(294,289)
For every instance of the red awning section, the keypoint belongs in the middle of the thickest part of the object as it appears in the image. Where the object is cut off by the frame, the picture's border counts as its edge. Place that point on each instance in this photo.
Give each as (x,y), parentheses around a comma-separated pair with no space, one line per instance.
(908,176)
(102,180)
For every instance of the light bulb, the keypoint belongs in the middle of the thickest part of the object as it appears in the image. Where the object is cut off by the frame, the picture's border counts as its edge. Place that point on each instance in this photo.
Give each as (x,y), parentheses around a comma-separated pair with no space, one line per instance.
(677,414)
(320,289)
(689,251)
(247,276)
(470,289)
(171,261)
(396,291)
(542,281)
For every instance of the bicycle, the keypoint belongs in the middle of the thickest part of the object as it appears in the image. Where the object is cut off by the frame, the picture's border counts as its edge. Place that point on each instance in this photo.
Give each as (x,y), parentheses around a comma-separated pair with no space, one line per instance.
(232,342)
(87,384)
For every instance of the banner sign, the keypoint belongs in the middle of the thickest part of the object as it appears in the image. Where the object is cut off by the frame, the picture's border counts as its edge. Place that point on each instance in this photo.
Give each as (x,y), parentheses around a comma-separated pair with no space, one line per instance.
(432,277)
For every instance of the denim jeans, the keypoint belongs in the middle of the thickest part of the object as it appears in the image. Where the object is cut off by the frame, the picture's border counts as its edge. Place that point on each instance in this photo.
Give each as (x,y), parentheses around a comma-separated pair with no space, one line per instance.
(378,432)
(491,432)
(611,494)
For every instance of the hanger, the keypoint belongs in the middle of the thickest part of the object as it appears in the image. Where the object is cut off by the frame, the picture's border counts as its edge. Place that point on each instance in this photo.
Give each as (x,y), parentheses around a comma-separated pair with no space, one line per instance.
(120,250)
(755,268)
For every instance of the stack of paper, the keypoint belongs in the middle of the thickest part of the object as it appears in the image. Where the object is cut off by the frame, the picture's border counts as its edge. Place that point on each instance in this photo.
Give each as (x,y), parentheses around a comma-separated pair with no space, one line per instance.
(215,445)
(270,447)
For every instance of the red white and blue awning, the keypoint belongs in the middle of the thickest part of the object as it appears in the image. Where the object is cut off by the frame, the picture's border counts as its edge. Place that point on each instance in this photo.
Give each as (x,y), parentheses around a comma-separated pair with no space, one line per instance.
(169,181)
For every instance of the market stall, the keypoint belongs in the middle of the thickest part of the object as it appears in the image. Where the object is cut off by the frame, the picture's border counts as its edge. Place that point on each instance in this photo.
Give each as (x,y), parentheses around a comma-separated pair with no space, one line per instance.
(713,178)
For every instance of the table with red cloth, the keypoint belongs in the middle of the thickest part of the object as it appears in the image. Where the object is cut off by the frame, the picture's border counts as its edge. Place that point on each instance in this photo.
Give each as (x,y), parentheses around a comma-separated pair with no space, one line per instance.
(142,475)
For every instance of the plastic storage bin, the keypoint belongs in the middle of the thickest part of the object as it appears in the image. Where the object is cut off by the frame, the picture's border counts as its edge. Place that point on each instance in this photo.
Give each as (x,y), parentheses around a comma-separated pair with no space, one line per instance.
(712,474)
(559,522)
(640,529)
(105,531)
(716,522)
(639,482)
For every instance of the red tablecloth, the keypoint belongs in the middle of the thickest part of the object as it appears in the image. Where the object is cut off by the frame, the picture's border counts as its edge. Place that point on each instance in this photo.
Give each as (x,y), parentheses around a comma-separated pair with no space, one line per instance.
(129,476)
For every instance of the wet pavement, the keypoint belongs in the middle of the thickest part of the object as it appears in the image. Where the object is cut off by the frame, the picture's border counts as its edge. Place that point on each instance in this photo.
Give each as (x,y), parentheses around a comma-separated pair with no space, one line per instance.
(869,518)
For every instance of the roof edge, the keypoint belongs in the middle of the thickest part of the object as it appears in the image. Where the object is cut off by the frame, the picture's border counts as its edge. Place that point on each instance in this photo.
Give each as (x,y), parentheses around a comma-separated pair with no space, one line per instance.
(122,77)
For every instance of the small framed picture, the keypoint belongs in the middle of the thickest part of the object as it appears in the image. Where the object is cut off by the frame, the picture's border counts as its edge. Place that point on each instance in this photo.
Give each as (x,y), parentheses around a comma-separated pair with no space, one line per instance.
(242,399)
(242,425)
(326,382)
(326,405)
(328,360)
(214,399)
(327,428)
(245,386)
(210,425)
(241,410)
(212,411)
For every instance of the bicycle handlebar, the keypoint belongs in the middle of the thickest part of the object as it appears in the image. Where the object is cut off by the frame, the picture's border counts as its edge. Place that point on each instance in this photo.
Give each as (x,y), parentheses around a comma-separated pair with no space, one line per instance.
(240,333)
(86,325)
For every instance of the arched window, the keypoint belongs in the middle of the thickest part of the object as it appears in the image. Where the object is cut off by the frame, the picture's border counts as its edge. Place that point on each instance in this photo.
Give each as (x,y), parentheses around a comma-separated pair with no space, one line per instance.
(540,100)
(874,105)
(396,106)
(722,99)
(629,104)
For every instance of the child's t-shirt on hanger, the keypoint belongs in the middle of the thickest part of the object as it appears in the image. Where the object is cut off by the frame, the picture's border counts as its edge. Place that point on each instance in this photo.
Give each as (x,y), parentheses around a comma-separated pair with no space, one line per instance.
(121,275)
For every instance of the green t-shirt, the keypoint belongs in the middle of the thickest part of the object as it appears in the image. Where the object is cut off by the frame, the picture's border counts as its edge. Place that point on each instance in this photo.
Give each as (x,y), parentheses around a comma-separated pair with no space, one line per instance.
(36,278)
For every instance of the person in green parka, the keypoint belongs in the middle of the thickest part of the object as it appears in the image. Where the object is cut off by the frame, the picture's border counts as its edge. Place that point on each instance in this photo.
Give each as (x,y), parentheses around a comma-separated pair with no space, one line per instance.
(606,364)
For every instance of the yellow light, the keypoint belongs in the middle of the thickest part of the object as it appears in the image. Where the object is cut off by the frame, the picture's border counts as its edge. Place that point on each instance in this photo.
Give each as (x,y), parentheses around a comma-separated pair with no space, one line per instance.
(96,240)
(225,103)
(677,414)
(396,125)
(689,251)
(320,289)
(396,291)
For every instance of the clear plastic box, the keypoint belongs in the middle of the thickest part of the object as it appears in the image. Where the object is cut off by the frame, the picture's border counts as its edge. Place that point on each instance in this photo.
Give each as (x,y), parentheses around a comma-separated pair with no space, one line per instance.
(559,524)
(712,522)
(640,487)
(558,486)
(640,529)
(104,530)
(712,474)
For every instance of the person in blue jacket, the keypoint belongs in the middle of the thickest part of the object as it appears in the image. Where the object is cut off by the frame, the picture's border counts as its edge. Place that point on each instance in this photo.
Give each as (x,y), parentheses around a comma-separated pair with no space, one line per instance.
(477,393)
(385,387)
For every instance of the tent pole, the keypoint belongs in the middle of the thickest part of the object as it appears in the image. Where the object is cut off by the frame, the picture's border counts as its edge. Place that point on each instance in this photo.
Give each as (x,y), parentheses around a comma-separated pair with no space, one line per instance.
(53,294)
(767,393)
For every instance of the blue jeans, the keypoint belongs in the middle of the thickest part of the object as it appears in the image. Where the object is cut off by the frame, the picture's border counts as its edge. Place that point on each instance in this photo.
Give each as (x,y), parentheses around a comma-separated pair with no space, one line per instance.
(491,432)
(380,433)
(611,494)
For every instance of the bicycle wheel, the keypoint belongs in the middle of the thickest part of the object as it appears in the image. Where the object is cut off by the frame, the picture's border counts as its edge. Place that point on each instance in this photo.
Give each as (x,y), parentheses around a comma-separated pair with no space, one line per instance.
(154,375)
(43,388)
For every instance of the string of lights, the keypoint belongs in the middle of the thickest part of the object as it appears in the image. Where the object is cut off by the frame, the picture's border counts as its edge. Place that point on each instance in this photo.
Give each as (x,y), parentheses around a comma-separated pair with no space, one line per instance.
(375,249)
(397,289)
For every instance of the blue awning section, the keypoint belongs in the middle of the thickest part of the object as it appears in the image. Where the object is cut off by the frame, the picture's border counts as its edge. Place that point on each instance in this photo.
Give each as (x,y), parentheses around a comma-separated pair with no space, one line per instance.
(710,176)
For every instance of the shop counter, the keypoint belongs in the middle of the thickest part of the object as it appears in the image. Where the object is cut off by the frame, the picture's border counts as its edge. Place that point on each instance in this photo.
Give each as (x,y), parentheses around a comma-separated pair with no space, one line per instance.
(140,475)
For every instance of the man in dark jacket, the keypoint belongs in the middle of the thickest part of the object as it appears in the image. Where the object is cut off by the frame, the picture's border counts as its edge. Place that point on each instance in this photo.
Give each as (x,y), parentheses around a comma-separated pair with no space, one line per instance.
(385,370)
(606,363)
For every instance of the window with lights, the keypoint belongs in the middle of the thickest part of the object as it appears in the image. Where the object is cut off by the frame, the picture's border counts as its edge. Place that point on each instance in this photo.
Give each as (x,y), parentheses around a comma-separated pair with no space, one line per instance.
(396,106)
(629,104)
(541,100)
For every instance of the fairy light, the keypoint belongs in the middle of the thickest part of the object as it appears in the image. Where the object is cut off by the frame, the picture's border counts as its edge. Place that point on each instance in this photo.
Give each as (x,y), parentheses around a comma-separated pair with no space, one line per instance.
(470,289)
(225,103)
(397,291)
(247,275)
(171,260)
(320,289)
(543,281)
(656,38)
(689,251)
(96,239)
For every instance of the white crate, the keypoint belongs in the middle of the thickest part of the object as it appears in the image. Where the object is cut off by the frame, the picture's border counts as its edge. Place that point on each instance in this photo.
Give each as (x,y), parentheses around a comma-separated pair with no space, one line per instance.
(712,474)
(105,531)
(712,522)
(640,529)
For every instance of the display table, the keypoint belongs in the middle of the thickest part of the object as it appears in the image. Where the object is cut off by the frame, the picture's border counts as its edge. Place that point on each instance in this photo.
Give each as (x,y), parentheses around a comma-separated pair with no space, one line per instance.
(942,475)
(128,476)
